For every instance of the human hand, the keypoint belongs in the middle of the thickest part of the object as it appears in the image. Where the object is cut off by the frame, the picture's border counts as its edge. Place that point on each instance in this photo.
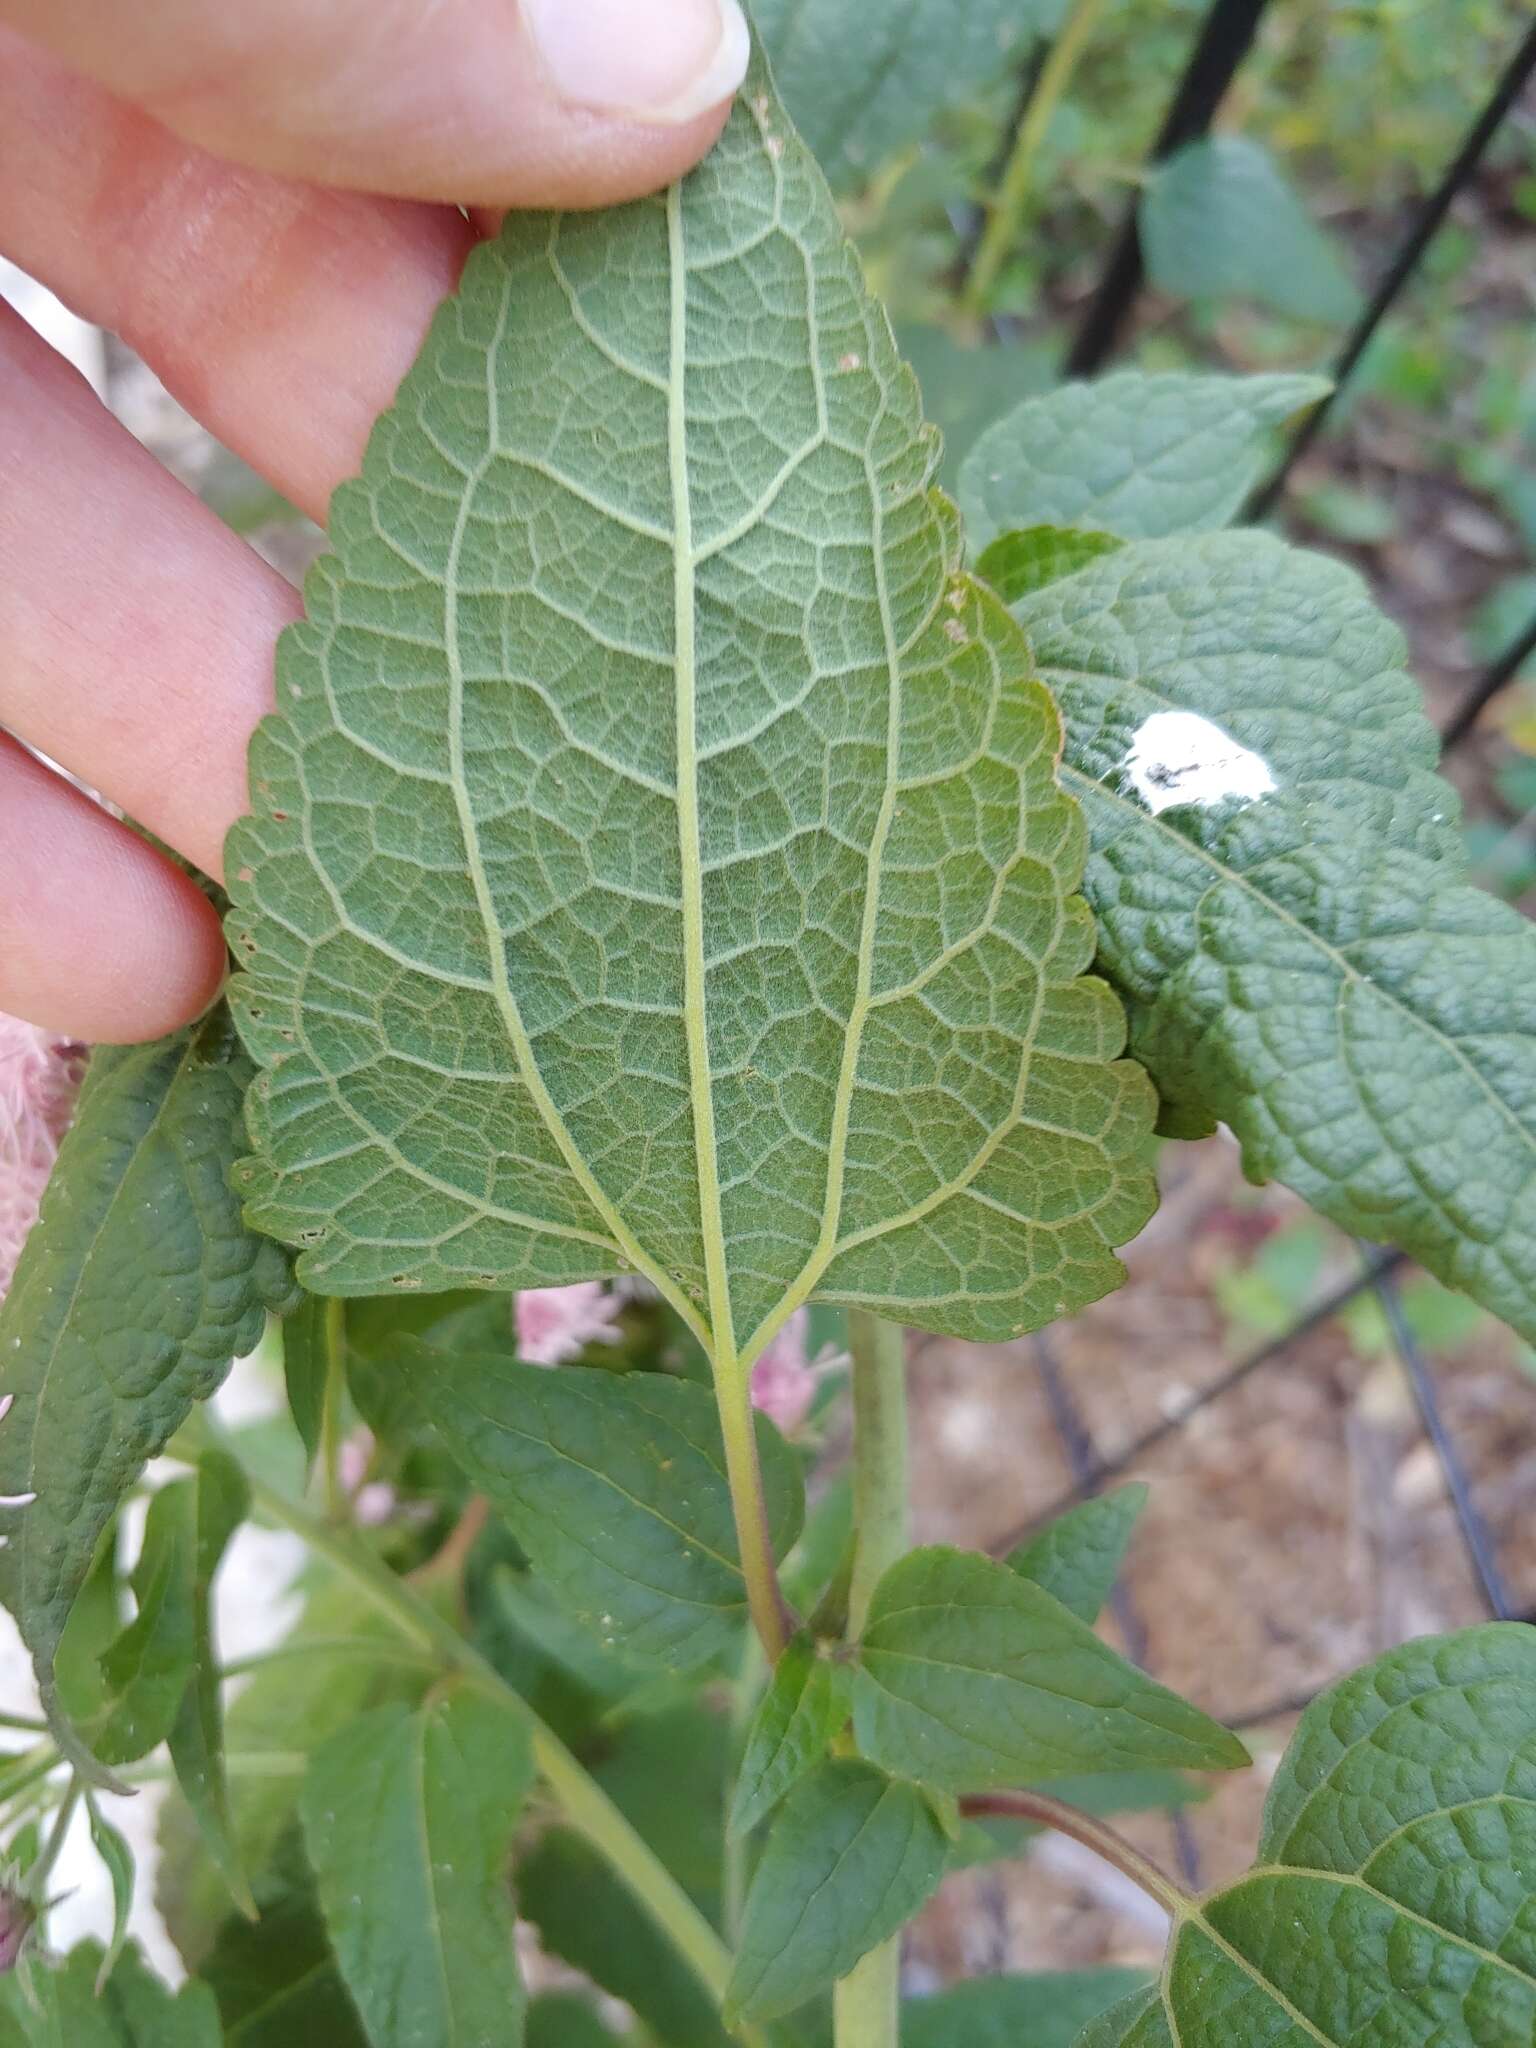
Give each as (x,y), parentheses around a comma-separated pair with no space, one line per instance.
(205,181)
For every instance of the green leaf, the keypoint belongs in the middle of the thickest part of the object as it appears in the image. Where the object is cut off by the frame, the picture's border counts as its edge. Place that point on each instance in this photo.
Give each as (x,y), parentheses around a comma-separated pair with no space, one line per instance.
(1016,564)
(1395,1894)
(1303,958)
(132,2009)
(134,1292)
(851,1857)
(615,1487)
(112,1847)
(1077,1559)
(277,1982)
(659,862)
(970,1676)
(1044,2011)
(1139,456)
(863,83)
(560,2020)
(308,1339)
(1220,219)
(408,1820)
(966,389)
(804,1707)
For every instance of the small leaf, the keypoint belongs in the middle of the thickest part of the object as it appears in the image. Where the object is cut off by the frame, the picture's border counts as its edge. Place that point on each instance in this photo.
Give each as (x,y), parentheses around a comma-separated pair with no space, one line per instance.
(851,1857)
(1017,564)
(308,1339)
(408,1819)
(970,1676)
(1134,455)
(277,1982)
(1220,219)
(1044,2011)
(805,1705)
(657,859)
(134,1292)
(1280,884)
(1395,1894)
(863,83)
(1077,1559)
(112,1847)
(614,1486)
(130,2008)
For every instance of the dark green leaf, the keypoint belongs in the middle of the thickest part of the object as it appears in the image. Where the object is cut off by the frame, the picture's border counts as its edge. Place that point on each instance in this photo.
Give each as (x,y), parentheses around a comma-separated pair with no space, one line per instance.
(1017,564)
(277,1982)
(851,1857)
(970,1676)
(658,862)
(615,1487)
(1130,454)
(133,2010)
(965,389)
(134,1292)
(408,1820)
(1394,1899)
(804,1707)
(1280,884)
(310,1334)
(1014,2012)
(863,83)
(562,2021)
(1077,1559)
(1220,219)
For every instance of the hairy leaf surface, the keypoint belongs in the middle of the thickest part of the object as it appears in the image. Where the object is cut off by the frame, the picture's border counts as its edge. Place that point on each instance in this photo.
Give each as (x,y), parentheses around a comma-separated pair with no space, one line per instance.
(1304,961)
(969,1676)
(615,1487)
(1395,1893)
(1138,456)
(408,1820)
(134,1292)
(850,1859)
(1077,1559)
(863,82)
(659,861)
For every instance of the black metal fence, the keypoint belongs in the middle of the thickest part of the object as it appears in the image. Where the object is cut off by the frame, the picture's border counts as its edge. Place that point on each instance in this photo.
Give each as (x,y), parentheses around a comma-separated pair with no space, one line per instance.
(1225,39)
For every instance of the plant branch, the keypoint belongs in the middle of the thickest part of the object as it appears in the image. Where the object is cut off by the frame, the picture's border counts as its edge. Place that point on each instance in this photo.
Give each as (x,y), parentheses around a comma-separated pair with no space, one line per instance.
(866,2003)
(1010,203)
(586,1807)
(1044,1812)
(333,1408)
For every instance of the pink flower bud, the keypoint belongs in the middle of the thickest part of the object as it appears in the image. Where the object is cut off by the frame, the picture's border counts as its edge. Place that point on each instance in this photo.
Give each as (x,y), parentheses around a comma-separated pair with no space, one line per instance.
(783,1382)
(557,1323)
(18,1916)
(40,1075)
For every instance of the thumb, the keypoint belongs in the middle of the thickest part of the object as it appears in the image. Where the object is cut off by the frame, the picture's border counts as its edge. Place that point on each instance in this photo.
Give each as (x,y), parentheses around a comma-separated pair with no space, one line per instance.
(485,102)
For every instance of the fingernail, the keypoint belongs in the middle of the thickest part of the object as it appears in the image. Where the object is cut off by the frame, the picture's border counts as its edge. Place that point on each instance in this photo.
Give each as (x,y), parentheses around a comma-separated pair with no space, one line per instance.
(658,61)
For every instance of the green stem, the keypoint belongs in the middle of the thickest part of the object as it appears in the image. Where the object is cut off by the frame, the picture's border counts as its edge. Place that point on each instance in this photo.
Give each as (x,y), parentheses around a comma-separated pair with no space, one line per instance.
(1042,1811)
(27,1724)
(42,1869)
(333,1408)
(585,1805)
(866,2003)
(1005,214)
(754,1538)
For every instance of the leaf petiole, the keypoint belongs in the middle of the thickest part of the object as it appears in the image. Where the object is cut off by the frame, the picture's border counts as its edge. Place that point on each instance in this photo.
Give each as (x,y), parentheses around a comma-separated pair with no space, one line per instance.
(1042,1811)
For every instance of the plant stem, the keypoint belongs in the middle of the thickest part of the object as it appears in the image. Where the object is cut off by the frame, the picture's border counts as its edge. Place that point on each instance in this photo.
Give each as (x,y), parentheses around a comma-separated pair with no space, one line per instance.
(585,1805)
(1045,1812)
(64,1813)
(1005,214)
(333,1408)
(754,1539)
(866,2003)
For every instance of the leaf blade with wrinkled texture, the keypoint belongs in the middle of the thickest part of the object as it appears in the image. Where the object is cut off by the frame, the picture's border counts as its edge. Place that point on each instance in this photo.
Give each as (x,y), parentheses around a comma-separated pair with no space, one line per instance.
(408,1820)
(1310,967)
(1133,455)
(134,1292)
(1395,1895)
(969,1676)
(658,857)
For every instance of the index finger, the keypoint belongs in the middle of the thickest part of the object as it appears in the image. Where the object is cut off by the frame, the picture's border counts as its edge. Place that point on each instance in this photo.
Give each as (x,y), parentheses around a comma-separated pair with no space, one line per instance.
(487,102)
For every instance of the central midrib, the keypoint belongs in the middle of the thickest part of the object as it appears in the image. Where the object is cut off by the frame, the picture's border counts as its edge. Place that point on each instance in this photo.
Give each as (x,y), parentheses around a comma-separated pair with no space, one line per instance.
(690,846)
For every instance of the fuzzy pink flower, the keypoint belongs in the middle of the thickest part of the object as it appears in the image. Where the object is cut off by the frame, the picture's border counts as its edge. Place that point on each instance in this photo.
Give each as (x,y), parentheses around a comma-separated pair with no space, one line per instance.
(40,1076)
(557,1323)
(783,1379)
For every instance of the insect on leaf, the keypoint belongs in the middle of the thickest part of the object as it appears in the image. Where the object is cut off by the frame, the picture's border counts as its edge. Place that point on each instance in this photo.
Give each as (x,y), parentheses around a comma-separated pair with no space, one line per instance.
(657,860)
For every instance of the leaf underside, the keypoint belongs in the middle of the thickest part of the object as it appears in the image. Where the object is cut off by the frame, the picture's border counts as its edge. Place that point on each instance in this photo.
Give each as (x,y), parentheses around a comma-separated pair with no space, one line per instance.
(134,1292)
(659,861)
(1311,967)
(1395,1894)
